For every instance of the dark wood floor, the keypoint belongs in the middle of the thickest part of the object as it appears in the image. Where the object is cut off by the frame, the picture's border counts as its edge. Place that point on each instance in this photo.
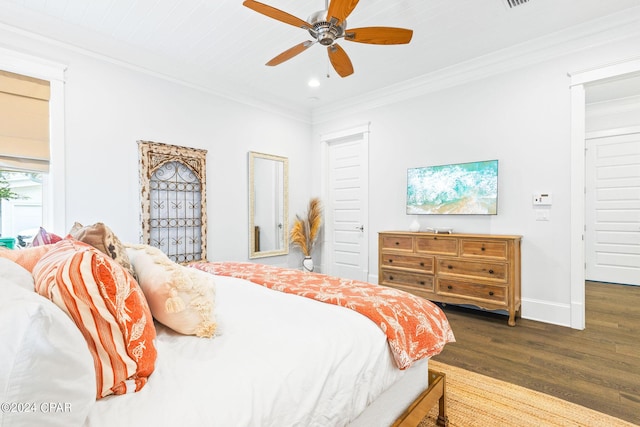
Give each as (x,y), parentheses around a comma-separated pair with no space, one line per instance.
(598,367)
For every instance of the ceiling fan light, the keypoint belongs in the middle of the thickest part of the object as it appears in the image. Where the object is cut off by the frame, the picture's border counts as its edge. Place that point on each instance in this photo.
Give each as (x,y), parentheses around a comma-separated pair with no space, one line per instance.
(325,32)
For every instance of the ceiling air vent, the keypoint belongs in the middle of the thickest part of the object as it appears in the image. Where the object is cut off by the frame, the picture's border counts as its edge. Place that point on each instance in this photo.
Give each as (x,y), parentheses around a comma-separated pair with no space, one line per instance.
(514,3)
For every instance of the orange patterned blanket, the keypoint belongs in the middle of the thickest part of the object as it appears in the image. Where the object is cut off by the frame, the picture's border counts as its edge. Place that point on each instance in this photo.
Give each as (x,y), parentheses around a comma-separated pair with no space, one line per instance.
(415,328)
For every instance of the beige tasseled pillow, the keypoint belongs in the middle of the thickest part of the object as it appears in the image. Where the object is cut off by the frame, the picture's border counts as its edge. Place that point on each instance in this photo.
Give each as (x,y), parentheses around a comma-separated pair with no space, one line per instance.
(103,239)
(179,297)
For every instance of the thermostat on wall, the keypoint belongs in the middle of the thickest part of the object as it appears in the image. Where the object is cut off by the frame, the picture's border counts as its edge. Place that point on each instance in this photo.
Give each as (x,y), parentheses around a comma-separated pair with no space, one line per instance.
(542,199)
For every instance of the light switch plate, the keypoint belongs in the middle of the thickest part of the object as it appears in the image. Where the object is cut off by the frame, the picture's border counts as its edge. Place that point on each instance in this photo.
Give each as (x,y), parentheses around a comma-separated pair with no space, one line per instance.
(543,214)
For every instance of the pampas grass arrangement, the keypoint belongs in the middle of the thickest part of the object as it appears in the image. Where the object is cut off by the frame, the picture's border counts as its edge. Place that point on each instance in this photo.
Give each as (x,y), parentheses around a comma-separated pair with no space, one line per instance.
(305,229)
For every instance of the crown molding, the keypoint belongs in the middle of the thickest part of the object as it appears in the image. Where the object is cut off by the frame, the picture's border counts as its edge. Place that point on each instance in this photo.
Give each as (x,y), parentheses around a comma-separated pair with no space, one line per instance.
(230,93)
(602,31)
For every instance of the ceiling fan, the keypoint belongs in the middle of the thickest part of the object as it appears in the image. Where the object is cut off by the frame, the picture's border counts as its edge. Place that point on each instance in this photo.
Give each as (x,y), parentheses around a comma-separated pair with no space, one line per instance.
(326,27)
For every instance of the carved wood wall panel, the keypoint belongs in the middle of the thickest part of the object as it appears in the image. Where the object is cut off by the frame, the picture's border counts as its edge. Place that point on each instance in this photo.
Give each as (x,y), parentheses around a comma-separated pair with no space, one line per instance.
(173,199)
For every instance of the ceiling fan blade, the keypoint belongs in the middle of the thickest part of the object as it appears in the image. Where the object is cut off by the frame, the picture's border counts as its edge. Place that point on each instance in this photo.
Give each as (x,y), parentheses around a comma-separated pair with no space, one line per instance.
(290,53)
(379,35)
(274,13)
(340,9)
(340,61)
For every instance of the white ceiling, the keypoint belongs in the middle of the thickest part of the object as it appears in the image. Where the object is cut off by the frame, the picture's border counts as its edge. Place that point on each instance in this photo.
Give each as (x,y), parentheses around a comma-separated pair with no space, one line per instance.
(223,46)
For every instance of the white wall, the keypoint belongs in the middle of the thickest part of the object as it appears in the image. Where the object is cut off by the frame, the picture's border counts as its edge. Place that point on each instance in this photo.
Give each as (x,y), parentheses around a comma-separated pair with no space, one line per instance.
(522,118)
(109,107)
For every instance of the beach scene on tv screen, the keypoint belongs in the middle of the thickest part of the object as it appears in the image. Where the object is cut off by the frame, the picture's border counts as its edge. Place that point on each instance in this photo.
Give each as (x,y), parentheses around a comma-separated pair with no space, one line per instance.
(463,188)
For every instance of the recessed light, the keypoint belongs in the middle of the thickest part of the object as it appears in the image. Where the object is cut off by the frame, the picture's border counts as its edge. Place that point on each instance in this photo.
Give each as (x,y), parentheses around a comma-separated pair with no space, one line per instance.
(314,82)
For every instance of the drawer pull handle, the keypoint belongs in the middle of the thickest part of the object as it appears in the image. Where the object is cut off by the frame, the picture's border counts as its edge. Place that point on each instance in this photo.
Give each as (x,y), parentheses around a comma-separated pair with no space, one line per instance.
(450,267)
(397,243)
(390,261)
(421,283)
(449,287)
(490,293)
(490,271)
(482,248)
(422,264)
(390,277)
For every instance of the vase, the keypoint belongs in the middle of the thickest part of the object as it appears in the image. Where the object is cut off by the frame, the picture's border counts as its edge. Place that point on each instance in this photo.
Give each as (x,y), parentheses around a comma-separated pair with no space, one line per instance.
(307,264)
(415,225)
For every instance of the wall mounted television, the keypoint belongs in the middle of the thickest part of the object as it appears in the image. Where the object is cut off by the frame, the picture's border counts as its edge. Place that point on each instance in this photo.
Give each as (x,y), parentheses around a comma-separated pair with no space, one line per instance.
(457,189)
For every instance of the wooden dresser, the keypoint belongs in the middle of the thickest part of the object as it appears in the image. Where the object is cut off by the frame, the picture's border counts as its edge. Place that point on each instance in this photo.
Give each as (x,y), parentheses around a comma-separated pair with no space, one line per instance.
(477,269)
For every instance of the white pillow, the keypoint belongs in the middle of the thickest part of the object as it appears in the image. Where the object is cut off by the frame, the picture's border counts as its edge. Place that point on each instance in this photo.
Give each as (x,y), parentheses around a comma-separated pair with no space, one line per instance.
(47,375)
(15,273)
(179,297)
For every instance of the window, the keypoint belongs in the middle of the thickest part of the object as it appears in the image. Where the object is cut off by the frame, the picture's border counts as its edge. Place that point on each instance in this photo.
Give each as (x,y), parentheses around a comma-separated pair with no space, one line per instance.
(24,154)
(53,183)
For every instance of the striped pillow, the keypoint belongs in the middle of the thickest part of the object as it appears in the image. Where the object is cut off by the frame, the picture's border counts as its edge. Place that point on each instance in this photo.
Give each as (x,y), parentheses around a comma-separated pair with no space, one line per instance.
(108,307)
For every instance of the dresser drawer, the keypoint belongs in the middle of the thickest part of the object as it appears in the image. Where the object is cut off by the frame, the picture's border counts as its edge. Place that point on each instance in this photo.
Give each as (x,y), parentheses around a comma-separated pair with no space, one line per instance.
(478,291)
(415,281)
(486,270)
(407,261)
(480,248)
(437,245)
(403,243)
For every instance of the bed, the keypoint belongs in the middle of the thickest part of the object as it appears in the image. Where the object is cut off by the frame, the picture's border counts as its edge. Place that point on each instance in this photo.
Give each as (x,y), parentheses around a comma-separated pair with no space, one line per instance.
(272,357)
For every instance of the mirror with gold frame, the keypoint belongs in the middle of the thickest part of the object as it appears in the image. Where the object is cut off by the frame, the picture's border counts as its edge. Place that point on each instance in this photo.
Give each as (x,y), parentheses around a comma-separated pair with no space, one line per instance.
(268,205)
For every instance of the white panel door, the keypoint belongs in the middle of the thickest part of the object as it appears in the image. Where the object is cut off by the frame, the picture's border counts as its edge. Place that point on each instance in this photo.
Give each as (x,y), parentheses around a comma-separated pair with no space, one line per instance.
(613,209)
(346,211)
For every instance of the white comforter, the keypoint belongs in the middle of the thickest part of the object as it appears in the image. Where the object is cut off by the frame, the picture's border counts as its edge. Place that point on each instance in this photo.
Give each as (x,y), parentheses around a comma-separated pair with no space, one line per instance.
(278,360)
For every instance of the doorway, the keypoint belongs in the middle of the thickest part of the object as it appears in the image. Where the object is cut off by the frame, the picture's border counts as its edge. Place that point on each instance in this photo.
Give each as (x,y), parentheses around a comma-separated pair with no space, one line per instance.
(345,177)
(580,81)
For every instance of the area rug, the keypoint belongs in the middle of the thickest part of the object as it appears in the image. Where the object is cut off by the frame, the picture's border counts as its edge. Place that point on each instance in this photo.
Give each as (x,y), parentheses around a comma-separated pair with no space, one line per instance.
(478,400)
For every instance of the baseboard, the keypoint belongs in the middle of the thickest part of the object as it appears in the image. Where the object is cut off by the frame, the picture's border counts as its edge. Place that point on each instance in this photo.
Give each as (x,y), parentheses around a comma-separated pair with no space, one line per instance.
(578,315)
(546,311)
